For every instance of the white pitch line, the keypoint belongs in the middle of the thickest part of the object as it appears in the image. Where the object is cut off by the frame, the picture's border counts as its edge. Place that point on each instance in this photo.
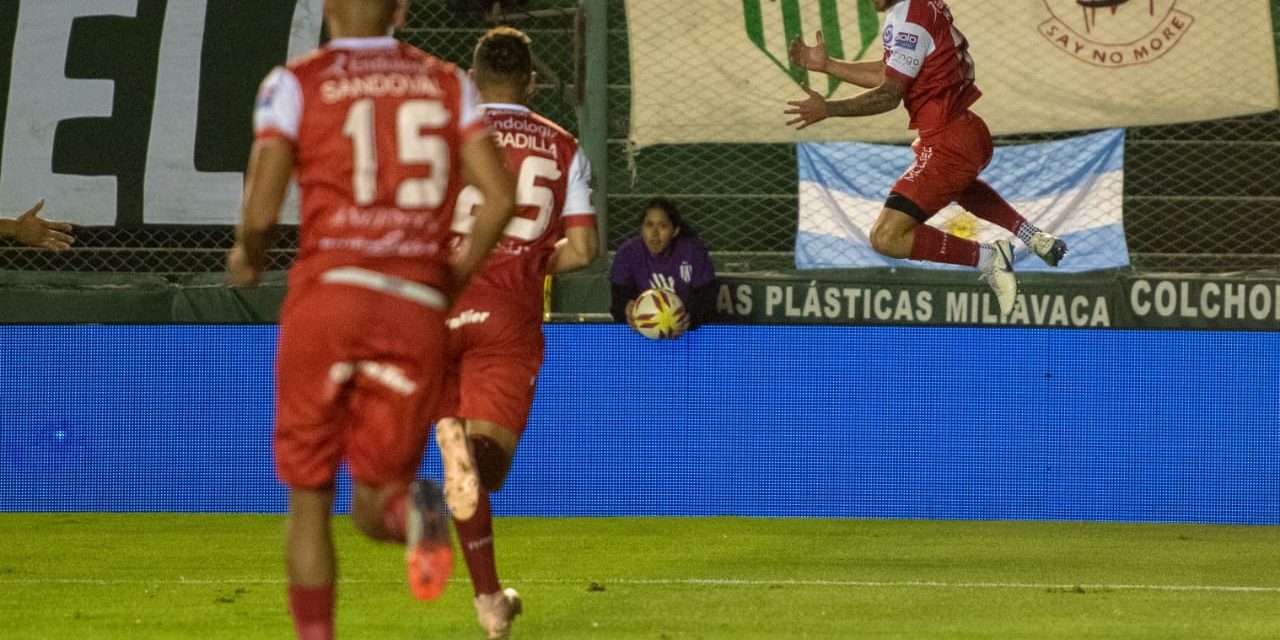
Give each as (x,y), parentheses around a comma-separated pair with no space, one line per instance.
(708,582)
(933,584)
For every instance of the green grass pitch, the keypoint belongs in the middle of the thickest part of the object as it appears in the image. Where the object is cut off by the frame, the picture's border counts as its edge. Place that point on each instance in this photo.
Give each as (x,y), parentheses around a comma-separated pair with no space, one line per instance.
(144,576)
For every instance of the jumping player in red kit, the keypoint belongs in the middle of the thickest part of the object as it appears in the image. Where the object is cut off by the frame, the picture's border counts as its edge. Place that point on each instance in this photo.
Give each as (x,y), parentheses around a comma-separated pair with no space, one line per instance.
(926,64)
(495,329)
(380,137)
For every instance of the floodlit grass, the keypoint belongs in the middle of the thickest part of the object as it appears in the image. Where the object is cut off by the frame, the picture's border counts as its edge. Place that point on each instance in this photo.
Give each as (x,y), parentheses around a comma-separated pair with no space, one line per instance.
(107,576)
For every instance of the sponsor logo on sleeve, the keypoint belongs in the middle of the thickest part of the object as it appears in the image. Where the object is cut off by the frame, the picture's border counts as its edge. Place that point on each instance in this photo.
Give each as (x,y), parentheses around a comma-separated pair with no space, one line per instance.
(906,41)
(905,62)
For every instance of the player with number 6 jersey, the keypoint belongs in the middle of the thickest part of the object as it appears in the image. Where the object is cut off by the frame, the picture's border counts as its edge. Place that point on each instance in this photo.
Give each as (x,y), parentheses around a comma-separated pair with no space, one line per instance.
(495,330)
(380,137)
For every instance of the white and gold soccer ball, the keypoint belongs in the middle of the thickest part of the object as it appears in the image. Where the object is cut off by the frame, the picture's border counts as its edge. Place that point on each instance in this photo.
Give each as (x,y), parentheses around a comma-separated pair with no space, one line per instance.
(659,314)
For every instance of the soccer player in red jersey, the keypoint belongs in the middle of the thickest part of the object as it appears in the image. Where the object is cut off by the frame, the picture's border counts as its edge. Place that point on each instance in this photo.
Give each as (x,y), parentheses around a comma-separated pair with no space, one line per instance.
(495,329)
(379,136)
(926,64)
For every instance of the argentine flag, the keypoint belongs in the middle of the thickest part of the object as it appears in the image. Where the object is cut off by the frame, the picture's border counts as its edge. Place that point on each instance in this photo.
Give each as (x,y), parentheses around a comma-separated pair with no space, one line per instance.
(1070,188)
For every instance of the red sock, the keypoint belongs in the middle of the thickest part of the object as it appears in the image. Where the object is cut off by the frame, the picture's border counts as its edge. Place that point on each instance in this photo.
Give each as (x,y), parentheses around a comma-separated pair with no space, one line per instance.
(395,513)
(312,610)
(936,246)
(475,535)
(983,201)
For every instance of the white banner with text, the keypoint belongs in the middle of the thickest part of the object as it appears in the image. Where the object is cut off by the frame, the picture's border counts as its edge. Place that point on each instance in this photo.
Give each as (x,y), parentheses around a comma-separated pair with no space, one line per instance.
(123,112)
(718,71)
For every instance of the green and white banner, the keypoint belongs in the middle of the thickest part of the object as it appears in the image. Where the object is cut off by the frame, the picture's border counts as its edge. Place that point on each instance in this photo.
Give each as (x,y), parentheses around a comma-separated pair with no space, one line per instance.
(717,71)
(127,112)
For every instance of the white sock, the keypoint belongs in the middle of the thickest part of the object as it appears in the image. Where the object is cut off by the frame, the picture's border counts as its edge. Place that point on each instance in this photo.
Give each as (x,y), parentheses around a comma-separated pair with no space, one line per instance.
(1025,231)
(986,256)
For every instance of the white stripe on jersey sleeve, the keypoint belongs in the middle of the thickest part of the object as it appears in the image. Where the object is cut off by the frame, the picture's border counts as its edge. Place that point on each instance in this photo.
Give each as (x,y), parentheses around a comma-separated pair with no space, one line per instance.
(911,44)
(279,104)
(577,199)
(469,102)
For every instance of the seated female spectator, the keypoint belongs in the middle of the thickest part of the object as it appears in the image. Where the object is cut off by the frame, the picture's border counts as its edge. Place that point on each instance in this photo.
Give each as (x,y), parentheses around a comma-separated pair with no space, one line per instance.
(665,254)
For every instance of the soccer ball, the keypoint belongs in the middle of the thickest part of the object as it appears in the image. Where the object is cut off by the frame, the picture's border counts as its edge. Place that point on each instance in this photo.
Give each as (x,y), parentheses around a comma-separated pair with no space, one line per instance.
(659,314)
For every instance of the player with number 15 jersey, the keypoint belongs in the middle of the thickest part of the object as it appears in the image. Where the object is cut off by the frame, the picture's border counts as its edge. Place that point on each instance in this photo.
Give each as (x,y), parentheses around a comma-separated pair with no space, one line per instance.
(378,129)
(373,196)
(379,136)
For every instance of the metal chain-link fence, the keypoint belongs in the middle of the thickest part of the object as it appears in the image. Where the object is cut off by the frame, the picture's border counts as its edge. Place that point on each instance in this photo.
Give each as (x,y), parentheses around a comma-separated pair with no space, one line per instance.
(1197,197)
(447,29)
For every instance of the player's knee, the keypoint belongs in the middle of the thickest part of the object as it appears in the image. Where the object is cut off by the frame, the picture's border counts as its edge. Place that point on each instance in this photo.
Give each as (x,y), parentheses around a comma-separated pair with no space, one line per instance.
(310,507)
(492,462)
(889,241)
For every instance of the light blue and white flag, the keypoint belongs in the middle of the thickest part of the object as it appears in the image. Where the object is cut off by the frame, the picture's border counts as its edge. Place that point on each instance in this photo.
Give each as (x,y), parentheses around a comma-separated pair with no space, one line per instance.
(1071,188)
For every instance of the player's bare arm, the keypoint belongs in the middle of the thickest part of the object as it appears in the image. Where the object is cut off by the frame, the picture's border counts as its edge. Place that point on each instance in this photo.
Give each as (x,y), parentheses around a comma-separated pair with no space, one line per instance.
(881,99)
(865,73)
(815,108)
(270,165)
(30,229)
(576,250)
(484,166)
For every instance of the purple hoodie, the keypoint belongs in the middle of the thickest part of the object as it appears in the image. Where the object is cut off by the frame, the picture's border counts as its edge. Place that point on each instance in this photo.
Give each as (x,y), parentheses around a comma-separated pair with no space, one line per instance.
(682,267)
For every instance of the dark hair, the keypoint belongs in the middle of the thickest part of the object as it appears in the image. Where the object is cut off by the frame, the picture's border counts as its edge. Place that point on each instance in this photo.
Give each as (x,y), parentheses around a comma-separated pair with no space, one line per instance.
(503,55)
(672,210)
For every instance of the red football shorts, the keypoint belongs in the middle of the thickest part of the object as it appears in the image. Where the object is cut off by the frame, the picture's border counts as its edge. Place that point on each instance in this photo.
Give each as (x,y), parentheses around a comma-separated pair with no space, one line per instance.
(495,352)
(948,160)
(358,377)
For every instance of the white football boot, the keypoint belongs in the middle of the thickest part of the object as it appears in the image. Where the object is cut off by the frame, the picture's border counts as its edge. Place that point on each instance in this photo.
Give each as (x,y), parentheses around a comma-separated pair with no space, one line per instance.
(461,481)
(999,275)
(495,611)
(1050,248)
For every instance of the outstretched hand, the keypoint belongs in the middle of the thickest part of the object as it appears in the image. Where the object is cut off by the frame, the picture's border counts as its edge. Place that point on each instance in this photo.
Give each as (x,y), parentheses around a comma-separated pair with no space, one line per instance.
(30,229)
(808,111)
(812,58)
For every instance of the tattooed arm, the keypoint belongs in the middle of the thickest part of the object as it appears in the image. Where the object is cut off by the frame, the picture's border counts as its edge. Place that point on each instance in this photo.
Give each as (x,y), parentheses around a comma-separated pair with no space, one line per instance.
(815,108)
(885,97)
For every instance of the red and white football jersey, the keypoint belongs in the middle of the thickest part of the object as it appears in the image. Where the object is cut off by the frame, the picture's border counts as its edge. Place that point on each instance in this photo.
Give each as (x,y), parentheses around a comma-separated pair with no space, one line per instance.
(378,127)
(553,191)
(924,50)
